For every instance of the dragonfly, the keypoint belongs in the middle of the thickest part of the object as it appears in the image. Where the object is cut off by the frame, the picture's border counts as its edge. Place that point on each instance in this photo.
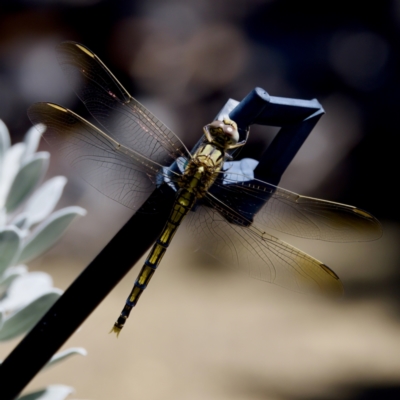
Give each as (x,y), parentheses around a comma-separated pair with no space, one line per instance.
(134,152)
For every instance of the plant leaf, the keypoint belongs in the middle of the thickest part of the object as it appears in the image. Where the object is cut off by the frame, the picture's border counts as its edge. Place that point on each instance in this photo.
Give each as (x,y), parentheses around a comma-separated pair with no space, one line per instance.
(26,180)
(62,355)
(10,168)
(25,290)
(9,276)
(32,139)
(4,141)
(10,240)
(48,232)
(21,221)
(43,201)
(3,215)
(51,392)
(27,317)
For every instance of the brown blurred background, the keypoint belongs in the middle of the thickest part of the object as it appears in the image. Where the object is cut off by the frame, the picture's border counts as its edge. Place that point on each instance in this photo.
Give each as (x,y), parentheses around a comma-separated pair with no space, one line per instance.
(200,332)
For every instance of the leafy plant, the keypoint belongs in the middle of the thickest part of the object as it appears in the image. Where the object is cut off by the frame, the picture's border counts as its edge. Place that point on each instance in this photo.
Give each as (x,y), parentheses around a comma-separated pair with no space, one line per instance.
(29,227)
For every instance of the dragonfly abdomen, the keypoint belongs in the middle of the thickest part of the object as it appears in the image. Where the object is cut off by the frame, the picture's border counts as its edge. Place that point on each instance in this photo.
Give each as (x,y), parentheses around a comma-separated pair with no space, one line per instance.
(183,203)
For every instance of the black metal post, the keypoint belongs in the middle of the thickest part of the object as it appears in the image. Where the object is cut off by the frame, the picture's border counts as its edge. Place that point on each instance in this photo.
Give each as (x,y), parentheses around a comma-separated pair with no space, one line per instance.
(85,294)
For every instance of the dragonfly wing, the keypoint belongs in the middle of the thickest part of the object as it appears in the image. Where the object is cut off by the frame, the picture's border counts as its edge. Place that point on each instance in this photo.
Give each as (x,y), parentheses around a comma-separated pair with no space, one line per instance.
(259,254)
(124,118)
(116,171)
(277,208)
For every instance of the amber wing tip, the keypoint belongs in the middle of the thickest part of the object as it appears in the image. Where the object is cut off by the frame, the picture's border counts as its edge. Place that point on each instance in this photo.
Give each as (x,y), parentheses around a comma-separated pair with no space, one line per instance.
(334,287)
(115,330)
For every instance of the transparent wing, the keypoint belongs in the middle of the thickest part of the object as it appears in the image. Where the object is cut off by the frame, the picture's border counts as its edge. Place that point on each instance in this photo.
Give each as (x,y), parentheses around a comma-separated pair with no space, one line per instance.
(260,255)
(124,118)
(113,169)
(277,208)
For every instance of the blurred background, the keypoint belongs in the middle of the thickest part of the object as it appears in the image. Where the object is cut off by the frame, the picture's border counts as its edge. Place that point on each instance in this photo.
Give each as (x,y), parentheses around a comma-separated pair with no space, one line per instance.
(200,332)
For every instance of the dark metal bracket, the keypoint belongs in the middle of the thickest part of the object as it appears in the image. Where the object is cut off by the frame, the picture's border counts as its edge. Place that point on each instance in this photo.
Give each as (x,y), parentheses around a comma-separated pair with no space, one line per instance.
(296,118)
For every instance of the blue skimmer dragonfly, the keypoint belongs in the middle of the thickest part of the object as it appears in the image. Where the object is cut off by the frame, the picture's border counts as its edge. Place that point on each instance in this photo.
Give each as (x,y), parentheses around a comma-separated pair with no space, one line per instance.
(134,152)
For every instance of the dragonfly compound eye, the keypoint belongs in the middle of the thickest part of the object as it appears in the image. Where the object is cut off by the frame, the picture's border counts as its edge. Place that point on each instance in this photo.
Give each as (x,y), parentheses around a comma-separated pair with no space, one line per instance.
(226,129)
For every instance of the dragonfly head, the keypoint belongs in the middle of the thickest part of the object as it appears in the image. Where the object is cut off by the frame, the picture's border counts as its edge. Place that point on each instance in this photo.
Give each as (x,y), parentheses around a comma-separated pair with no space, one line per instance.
(225,133)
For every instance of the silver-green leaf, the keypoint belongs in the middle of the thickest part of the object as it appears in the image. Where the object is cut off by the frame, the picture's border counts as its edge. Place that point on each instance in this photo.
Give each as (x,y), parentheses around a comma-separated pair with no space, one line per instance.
(32,139)
(45,198)
(10,168)
(48,232)
(4,140)
(27,317)
(26,180)
(9,277)
(3,215)
(21,221)
(51,392)
(10,239)
(62,355)
(26,289)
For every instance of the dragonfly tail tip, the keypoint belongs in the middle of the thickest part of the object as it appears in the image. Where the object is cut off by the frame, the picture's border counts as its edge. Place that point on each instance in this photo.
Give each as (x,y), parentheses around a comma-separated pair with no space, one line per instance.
(116,330)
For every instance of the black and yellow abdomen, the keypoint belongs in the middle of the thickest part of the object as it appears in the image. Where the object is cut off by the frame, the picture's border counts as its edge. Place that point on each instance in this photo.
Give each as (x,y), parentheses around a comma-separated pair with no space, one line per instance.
(184,202)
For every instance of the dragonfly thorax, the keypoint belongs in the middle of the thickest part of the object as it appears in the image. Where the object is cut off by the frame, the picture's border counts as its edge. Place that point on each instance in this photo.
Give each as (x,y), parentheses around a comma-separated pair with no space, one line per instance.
(202,169)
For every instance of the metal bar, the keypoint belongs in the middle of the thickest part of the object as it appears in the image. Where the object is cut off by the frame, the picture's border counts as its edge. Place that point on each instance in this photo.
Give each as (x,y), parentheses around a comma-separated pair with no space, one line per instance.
(283,148)
(296,117)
